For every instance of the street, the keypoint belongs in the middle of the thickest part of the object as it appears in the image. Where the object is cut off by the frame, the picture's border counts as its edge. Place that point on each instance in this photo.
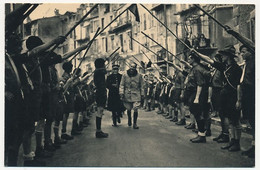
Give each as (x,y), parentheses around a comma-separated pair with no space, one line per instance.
(157,143)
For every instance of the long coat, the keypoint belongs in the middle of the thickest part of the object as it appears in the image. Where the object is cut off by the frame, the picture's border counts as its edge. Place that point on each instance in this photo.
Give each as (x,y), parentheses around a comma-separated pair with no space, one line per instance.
(132,87)
(114,102)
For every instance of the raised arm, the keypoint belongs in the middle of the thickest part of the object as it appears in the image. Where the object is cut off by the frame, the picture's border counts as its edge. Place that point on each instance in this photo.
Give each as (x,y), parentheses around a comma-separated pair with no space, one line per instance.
(70,53)
(245,41)
(46,46)
(204,57)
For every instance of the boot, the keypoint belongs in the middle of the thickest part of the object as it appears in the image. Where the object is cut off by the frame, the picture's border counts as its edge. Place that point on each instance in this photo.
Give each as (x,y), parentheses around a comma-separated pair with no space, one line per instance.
(101,134)
(41,153)
(135,126)
(181,122)
(135,120)
(114,121)
(129,118)
(48,146)
(168,117)
(208,132)
(66,137)
(199,139)
(218,137)
(190,126)
(235,146)
(250,152)
(231,143)
(175,119)
(148,107)
(118,119)
(80,126)
(223,139)
(59,141)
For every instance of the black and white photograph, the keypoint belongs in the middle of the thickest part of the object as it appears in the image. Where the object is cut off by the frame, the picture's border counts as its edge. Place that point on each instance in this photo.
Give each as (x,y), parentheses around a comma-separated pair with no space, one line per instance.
(129,85)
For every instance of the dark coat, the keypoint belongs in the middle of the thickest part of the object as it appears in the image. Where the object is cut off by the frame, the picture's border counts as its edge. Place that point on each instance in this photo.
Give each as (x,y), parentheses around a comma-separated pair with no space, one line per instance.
(114,101)
(100,83)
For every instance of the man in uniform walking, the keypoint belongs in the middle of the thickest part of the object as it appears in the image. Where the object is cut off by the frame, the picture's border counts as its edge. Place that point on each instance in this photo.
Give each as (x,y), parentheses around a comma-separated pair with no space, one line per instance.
(115,104)
(131,92)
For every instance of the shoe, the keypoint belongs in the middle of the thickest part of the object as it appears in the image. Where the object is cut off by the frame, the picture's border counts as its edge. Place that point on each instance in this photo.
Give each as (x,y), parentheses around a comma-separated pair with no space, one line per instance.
(166,114)
(181,122)
(159,112)
(223,139)
(218,137)
(208,133)
(118,119)
(66,137)
(129,122)
(60,141)
(75,132)
(49,147)
(34,163)
(135,126)
(194,130)
(235,147)
(41,153)
(232,142)
(175,119)
(114,125)
(190,126)
(250,152)
(199,139)
(80,127)
(168,117)
(101,135)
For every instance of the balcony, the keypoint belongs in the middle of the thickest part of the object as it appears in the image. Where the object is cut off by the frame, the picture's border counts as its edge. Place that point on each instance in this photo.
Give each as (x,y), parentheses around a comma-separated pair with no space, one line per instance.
(122,24)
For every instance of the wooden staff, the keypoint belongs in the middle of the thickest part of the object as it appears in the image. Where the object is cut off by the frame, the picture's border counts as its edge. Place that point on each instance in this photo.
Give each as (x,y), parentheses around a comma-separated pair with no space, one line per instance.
(160,45)
(68,33)
(165,26)
(214,19)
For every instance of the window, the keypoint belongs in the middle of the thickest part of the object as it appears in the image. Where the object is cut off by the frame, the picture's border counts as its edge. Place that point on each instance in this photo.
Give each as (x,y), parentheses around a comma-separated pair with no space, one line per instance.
(102,23)
(106,44)
(130,42)
(144,22)
(112,42)
(107,8)
(122,42)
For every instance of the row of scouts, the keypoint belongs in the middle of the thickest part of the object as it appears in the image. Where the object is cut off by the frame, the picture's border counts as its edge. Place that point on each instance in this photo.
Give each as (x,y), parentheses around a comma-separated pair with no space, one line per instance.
(203,84)
(37,99)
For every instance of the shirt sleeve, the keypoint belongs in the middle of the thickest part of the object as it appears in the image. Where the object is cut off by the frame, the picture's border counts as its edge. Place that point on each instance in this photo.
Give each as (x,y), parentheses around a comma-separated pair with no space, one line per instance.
(199,77)
(218,65)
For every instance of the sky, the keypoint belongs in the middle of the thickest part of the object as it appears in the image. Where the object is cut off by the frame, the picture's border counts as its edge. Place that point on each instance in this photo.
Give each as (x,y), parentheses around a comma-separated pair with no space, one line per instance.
(47,9)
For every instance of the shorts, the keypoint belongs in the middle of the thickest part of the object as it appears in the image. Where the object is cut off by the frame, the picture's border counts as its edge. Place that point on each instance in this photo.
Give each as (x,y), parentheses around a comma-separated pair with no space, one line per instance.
(216,99)
(228,104)
(132,105)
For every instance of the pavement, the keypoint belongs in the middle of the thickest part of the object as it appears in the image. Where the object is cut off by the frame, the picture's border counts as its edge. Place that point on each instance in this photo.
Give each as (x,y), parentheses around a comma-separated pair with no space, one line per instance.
(158,143)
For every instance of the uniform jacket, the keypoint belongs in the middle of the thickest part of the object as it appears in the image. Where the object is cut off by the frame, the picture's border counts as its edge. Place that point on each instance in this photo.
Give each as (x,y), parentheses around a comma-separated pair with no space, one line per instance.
(131,87)
(114,101)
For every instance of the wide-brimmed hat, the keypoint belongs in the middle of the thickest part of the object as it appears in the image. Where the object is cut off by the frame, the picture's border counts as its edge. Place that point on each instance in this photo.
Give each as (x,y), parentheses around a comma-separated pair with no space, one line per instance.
(229,50)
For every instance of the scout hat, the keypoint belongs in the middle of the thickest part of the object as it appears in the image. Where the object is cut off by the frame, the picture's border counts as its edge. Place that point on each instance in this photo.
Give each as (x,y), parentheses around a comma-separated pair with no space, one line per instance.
(229,50)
